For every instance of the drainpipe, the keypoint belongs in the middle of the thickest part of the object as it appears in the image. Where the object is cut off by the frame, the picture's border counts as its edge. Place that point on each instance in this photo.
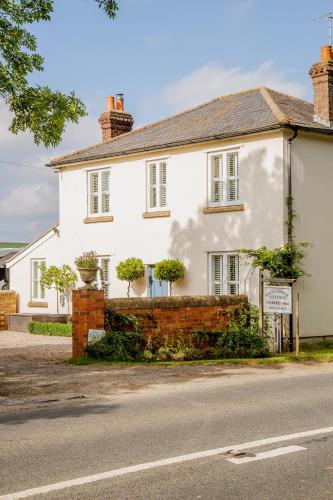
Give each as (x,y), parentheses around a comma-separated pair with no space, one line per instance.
(290,229)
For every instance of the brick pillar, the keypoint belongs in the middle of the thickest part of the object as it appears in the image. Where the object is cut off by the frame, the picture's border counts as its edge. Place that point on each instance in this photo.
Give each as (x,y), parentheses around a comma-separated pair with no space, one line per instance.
(7,306)
(88,313)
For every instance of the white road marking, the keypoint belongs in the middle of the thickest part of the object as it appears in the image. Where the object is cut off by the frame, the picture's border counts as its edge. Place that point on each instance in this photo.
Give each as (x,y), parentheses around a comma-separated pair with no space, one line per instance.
(266,454)
(159,463)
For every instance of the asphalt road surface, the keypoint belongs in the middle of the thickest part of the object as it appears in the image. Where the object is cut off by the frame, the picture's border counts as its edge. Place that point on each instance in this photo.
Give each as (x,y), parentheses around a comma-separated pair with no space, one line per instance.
(172,441)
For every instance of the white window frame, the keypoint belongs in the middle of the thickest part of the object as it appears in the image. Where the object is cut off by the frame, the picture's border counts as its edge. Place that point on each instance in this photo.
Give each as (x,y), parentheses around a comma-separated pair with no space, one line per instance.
(158,184)
(40,293)
(223,179)
(100,192)
(225,283)
(98,281)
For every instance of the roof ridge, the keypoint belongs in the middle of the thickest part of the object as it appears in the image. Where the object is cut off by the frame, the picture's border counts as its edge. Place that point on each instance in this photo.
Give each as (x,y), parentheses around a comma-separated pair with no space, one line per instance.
(294,98)
(274,107)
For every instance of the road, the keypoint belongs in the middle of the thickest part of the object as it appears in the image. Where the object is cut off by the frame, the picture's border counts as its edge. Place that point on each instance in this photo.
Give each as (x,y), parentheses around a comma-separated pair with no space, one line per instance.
(182,430)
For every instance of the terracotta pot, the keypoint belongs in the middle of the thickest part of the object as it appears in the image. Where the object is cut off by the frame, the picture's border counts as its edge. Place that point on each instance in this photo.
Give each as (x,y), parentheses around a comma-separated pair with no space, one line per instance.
(88,275)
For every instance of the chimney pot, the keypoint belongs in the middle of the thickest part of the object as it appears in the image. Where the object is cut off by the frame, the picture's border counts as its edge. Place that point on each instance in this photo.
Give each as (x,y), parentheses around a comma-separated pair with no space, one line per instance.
(120,102)
(110,103)
(326,53)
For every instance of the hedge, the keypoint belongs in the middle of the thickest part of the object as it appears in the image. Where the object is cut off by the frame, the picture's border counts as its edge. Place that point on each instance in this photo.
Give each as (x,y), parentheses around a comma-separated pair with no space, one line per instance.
(55,329)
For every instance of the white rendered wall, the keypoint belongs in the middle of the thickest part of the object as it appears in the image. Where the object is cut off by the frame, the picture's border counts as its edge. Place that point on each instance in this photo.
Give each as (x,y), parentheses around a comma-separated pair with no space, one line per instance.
(187,234)
(312,167)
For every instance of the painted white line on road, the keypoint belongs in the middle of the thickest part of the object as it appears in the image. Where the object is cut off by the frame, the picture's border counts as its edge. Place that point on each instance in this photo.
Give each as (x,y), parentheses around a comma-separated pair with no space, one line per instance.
(159,463)
(266,454)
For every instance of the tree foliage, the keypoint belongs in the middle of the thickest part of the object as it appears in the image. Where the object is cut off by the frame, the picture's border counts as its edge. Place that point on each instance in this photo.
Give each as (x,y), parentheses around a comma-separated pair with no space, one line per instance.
(130,270)
(63,279)
(169,270)
(37,109)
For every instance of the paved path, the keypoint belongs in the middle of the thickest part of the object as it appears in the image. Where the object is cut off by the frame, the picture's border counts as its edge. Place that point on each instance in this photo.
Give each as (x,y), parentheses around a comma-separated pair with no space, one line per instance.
(164,426)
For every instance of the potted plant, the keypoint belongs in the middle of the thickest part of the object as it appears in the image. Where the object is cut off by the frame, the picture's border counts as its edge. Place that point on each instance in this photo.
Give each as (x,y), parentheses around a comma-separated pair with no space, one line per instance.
(87,265)
(130,270)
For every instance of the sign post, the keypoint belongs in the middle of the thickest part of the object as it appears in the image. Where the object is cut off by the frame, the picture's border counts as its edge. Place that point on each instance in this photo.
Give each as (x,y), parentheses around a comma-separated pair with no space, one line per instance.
(275,297)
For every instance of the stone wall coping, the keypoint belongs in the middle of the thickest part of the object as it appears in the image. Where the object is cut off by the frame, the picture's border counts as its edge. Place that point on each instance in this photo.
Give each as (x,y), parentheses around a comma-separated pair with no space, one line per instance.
(176,301)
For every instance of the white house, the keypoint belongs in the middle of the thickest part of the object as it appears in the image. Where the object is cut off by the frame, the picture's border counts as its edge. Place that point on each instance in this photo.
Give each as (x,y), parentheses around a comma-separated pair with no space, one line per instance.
(198,186)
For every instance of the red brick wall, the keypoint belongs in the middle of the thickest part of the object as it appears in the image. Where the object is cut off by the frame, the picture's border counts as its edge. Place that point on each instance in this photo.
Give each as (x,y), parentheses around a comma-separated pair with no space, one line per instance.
(169,315)
(88,313)
(7,306)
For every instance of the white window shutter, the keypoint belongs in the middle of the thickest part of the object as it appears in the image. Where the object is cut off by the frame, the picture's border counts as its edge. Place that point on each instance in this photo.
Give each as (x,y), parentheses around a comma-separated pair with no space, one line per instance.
(233,176)
(105,266)
(216,179)
(94,189)
(233,274)
(153,185)
(217,274)
(163,184)
(105,186)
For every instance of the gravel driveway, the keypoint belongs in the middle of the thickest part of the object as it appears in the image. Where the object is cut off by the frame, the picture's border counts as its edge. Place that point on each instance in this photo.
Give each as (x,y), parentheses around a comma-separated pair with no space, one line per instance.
(10,340)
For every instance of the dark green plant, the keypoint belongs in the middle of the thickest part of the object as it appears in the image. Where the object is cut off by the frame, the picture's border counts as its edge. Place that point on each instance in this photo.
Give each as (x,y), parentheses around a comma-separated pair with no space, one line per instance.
(36,109)
(118,346)
(169,270)
(53,329)
(130,270)
(242,339)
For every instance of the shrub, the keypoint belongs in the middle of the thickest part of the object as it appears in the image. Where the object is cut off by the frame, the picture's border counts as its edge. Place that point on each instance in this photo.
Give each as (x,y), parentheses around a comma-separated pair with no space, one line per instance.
(130,270)
(241,339)
(117,346)
(56,329)
(123,341)
(169,270)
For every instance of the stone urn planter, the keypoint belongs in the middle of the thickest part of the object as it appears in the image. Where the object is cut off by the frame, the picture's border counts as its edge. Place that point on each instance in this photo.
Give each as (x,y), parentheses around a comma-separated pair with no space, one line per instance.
(87,265)
(88,276)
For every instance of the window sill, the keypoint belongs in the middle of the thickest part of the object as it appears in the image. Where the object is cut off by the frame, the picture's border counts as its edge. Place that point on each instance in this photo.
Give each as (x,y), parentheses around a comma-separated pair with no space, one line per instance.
(153,215)
(93,220)
(37,304)
(225,208)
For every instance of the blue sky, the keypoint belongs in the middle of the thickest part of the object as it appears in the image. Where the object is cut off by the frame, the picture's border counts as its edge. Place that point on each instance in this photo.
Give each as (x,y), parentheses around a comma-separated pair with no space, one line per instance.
(165,56)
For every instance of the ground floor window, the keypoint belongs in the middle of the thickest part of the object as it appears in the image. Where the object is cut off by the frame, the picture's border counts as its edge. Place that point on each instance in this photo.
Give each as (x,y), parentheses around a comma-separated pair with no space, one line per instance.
(223,273)
(103,278)
(36,290)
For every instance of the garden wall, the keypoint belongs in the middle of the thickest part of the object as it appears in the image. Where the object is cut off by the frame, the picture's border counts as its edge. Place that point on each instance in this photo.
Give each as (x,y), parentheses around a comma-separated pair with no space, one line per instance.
(7,306)
(161,316)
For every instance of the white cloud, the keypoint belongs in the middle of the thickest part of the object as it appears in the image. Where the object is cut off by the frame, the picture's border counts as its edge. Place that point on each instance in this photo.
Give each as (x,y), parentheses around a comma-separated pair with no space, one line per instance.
(213,80)
(29,197)
(29,200)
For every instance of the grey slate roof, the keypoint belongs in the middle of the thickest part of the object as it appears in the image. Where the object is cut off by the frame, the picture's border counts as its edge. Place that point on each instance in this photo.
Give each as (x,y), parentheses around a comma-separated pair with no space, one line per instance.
(227,116)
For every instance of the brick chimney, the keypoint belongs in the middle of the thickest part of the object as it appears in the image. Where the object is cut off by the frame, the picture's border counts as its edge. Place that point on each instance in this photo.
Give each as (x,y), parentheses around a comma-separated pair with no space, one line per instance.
(322,80)
(114,121)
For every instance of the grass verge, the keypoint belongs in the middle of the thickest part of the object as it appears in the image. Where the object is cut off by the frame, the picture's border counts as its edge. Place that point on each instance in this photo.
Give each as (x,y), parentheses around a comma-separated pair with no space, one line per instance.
(319,354)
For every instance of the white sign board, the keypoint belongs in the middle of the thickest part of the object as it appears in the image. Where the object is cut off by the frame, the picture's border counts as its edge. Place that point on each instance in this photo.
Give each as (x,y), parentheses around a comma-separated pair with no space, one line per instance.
(278,299)
(95,335)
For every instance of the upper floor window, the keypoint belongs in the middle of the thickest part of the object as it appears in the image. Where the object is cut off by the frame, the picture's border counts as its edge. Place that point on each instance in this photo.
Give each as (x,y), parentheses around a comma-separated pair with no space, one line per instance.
(224,274)
(36,290)
(157,185)
(223,182)
(99,192)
